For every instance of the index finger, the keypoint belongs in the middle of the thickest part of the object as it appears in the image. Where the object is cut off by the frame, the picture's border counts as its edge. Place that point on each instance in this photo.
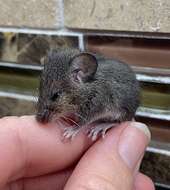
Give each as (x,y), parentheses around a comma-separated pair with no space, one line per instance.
(30,149)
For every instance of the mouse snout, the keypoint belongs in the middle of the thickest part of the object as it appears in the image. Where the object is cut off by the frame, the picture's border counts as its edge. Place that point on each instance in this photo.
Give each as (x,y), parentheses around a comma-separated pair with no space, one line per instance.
(43,117)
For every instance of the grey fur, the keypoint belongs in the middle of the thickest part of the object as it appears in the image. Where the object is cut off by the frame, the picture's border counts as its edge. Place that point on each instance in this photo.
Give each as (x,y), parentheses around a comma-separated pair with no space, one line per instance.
(112,95)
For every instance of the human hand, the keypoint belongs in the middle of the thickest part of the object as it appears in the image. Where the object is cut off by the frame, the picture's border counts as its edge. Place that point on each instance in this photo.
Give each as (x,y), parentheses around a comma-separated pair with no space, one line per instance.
(32,156)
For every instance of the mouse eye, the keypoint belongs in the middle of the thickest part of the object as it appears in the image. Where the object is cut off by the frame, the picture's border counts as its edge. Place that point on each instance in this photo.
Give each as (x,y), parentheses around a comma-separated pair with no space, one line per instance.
(55,96)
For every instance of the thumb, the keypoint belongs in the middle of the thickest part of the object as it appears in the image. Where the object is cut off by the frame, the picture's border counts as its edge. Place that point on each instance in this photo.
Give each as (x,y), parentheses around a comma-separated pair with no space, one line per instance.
(111,162)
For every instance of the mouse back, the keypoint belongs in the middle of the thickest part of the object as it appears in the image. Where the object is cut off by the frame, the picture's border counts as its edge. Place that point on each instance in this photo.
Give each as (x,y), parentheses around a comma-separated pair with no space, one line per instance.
(77,83)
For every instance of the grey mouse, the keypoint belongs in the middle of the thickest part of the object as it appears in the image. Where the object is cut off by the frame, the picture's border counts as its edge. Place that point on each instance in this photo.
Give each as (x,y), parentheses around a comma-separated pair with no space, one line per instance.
(87,90)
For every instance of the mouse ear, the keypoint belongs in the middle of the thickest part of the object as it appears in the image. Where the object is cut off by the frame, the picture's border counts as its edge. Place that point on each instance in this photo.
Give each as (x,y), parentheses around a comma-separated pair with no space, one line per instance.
(83,67)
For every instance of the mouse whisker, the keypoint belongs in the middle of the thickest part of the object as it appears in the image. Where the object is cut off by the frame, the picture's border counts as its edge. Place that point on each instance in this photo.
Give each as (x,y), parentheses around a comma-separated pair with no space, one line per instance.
(80,116)
(62,122)
(67,118)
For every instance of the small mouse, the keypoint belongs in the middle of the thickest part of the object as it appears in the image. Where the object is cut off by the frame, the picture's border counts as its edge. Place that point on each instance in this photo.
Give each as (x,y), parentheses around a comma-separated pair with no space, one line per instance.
(86,90)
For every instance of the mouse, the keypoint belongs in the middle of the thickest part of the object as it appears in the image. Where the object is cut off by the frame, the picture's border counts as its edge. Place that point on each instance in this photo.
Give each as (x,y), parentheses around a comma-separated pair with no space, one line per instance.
(86,90)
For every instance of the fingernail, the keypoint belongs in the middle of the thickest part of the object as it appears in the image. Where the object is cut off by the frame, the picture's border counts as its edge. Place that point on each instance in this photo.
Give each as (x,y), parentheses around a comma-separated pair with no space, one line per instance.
(143,128)
(133,142)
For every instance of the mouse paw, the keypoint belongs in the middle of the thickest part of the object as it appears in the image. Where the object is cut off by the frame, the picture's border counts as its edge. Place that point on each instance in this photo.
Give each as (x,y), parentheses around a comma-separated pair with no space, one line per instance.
(70,132)
(100,129)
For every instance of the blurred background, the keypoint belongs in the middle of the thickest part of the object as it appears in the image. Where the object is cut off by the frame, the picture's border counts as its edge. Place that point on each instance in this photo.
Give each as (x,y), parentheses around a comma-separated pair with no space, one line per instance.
(136,32)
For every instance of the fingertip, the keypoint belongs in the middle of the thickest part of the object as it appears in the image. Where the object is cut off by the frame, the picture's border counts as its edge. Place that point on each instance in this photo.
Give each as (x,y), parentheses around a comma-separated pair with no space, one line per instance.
(48,139)
(41,145)
(143,182)
(143,128)
(133,142)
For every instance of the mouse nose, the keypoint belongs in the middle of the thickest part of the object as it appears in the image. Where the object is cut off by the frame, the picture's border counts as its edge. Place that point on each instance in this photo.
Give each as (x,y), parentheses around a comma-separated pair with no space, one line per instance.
(43,117)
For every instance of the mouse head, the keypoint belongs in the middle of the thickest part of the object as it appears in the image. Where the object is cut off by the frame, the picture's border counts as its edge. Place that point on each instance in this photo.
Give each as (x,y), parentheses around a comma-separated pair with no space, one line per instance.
(63,82)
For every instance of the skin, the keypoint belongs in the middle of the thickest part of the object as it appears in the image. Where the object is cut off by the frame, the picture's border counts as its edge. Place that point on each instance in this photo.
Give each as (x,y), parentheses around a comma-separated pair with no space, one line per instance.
(33,156)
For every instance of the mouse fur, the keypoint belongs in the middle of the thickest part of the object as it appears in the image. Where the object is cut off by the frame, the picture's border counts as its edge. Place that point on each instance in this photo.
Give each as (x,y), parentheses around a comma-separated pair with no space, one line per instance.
(88,89)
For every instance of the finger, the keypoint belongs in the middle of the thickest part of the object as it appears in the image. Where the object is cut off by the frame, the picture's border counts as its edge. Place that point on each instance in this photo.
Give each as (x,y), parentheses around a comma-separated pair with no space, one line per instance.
(29,148)
(111,162)
(47,182)
(143,182)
